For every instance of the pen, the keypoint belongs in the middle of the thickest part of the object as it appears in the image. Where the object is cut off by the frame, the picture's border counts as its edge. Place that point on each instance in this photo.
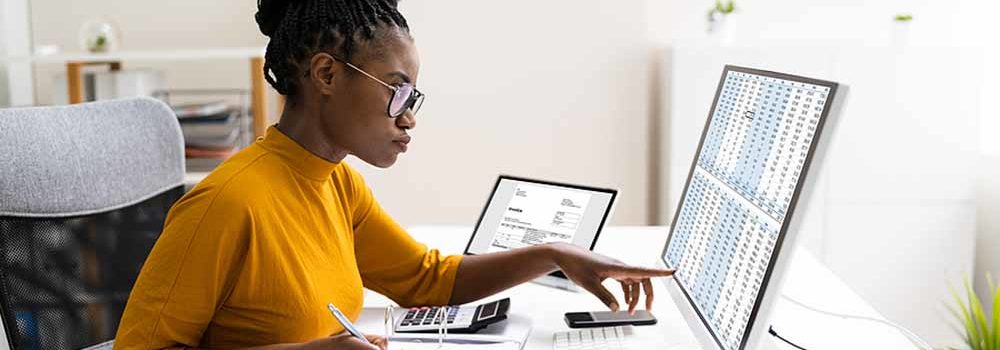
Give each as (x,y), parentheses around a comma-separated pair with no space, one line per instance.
(346,323)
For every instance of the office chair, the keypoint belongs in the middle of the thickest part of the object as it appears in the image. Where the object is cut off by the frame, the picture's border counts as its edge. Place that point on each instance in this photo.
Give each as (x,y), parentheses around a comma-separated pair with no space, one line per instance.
(84,191)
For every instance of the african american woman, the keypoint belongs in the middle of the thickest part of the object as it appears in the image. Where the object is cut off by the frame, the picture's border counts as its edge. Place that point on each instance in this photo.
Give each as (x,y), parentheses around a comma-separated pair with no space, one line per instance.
(251,256)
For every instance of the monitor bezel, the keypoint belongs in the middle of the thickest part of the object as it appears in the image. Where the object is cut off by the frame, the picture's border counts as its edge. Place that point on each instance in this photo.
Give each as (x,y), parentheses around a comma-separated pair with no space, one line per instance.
(789,214)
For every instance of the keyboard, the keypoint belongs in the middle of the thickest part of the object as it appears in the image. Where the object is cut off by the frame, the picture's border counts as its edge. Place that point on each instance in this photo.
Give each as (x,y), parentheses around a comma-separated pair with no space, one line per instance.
(613,338)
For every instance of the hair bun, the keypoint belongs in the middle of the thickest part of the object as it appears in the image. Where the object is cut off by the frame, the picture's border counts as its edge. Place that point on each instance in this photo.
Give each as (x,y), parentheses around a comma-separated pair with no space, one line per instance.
(269,15)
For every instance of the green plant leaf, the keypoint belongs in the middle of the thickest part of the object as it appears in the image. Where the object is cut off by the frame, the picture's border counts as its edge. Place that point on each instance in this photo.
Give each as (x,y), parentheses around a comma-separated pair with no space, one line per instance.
(964,318)
(996,311)
(723,8)
(981,331)
(980,317)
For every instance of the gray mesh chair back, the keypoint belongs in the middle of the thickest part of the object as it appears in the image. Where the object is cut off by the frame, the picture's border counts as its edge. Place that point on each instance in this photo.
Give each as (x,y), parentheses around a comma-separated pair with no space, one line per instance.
(84,191)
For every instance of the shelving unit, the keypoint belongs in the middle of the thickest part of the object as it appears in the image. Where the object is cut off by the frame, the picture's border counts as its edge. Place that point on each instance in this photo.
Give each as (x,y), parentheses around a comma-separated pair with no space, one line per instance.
(116,60)
(75,62)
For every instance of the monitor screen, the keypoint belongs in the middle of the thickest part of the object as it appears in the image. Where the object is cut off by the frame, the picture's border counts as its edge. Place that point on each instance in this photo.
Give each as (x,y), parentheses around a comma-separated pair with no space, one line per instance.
(524,212)
(740,194)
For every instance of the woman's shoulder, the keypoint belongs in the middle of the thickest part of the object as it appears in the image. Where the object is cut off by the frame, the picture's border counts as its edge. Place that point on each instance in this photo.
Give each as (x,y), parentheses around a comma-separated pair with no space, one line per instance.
(240,178)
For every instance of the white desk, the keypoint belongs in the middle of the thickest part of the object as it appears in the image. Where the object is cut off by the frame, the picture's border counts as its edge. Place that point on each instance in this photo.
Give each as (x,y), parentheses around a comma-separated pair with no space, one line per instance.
(808,281)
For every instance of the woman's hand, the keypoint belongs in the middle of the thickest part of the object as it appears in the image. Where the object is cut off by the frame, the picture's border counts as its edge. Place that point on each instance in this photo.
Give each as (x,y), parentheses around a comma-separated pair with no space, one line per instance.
(588,269)
(346,342)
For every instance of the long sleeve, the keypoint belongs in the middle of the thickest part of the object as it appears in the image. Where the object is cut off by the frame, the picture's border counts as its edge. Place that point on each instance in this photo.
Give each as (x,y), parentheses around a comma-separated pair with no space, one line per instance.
(187,275)
(393,263)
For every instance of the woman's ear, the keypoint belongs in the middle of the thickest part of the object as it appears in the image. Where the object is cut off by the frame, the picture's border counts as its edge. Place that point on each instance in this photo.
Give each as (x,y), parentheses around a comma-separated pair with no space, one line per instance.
(323,71)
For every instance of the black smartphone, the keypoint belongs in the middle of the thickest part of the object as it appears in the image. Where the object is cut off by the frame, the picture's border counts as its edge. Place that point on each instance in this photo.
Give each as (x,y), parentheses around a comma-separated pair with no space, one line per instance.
(608,319)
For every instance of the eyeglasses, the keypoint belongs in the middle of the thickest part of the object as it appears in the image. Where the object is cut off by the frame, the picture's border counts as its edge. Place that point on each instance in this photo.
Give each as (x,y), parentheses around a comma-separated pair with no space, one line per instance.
(405,96)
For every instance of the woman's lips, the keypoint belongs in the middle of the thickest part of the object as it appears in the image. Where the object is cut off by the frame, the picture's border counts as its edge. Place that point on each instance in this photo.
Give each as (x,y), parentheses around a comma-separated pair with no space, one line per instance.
(402,142)
(402,145)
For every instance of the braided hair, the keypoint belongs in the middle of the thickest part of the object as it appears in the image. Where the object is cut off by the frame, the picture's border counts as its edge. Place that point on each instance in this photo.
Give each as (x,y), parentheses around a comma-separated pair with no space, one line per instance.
(299,28)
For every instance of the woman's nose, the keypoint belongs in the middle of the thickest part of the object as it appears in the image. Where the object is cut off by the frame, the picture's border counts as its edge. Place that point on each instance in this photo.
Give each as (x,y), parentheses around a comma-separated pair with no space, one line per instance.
(407,121)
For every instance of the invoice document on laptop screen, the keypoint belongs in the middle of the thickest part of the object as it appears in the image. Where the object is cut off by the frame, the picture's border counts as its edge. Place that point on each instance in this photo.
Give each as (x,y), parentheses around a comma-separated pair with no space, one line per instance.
(524,212)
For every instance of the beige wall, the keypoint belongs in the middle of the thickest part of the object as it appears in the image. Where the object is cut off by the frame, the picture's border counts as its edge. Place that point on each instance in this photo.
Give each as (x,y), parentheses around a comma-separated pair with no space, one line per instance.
(547,89)
(552,89)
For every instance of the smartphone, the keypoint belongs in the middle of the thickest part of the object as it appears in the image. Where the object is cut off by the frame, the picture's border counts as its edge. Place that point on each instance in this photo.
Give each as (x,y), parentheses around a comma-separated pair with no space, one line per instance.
(608,319)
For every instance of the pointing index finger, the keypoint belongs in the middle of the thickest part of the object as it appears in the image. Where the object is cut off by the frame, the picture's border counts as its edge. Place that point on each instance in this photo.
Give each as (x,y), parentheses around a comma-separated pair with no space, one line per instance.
(640,272)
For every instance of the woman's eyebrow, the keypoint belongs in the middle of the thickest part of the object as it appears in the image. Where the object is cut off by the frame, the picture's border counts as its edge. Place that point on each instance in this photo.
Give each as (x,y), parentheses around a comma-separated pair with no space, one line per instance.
(402,76)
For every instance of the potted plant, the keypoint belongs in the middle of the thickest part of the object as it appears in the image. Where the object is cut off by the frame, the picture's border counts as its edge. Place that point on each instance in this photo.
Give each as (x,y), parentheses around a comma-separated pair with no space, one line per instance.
(717,14)
(980,331)
(901,28)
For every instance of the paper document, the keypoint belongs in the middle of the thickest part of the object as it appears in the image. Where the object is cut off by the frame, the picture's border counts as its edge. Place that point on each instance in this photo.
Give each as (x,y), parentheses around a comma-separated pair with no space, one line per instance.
(428,344)
(537,215)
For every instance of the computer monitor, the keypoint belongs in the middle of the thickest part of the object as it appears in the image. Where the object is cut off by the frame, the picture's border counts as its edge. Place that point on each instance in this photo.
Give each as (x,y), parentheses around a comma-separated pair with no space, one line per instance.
(739,202)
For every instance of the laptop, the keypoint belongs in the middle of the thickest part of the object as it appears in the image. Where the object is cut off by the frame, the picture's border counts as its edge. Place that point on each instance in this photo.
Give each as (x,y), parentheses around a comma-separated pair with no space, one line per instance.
(522,212)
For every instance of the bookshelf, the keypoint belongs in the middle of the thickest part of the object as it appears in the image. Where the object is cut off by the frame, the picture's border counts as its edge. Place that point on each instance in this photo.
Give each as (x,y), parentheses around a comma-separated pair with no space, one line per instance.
(115,60)
(75,62)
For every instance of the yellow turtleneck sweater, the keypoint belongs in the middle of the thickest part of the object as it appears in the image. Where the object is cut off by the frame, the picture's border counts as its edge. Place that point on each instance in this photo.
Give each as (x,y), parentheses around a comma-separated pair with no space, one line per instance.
(252,255)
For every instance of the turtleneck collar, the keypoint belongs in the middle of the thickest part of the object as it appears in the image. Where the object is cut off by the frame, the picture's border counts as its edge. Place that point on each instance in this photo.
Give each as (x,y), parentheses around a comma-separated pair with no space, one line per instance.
(299,158)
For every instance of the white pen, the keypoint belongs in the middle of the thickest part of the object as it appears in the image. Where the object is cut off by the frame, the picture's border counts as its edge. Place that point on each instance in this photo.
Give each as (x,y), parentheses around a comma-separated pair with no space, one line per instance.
(346,323)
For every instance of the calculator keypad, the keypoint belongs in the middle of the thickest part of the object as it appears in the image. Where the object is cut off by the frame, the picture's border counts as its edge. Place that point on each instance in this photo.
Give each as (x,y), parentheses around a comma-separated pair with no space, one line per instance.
(425,316)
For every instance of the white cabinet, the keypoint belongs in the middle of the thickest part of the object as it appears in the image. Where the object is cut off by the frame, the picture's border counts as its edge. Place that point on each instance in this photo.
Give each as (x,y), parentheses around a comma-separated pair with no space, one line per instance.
(894,212)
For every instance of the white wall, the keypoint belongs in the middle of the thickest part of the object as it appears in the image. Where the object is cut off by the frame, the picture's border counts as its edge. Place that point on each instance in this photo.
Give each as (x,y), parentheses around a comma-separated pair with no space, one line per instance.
(988,245)
(15,78)
(551,89)
(938,22)
(554,90)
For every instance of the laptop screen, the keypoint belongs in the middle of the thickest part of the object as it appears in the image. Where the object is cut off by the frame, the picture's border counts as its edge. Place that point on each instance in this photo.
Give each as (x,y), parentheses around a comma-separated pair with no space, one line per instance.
(523,212)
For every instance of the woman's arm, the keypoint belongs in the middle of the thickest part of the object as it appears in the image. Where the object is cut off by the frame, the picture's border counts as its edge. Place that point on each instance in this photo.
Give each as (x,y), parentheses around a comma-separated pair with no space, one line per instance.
(480,276)
(483,275)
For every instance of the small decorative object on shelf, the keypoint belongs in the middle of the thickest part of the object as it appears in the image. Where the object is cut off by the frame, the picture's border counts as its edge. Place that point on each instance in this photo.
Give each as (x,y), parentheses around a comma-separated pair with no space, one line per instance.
(901,29)
(717,14)
(98,36)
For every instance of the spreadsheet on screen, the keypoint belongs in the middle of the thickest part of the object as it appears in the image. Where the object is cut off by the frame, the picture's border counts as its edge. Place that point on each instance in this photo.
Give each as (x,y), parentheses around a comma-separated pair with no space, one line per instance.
(743,183)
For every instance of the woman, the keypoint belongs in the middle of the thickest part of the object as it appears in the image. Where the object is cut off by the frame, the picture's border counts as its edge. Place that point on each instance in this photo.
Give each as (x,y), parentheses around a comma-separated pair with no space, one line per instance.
(250,257)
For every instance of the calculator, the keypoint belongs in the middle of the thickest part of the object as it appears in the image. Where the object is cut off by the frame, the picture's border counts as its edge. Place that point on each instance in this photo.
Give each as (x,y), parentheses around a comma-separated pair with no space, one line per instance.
(460,319)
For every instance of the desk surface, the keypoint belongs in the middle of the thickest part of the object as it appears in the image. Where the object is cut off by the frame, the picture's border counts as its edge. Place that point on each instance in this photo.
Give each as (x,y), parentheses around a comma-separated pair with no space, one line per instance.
(808,281)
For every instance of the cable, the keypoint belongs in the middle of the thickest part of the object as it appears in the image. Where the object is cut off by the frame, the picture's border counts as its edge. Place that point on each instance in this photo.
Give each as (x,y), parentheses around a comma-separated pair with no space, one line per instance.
(775,334)
(906,332)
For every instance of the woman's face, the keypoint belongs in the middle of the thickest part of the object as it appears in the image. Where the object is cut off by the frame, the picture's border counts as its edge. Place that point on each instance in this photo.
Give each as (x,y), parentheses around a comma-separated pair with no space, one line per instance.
(355,116)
